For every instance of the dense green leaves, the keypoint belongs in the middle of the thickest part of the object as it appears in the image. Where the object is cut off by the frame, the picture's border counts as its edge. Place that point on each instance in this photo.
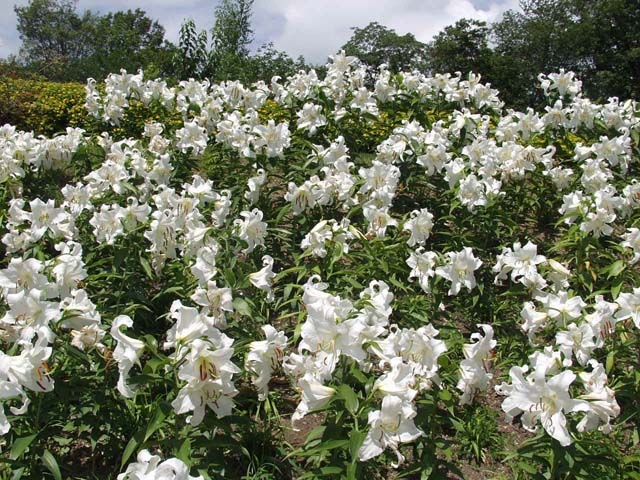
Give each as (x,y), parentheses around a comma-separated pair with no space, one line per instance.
(65,45)
(376,44)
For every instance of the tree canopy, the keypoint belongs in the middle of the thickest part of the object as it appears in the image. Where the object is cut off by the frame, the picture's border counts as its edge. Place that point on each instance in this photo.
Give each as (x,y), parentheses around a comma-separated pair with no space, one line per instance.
(53,34)
(129,40)
(462,47)
(64,45)
(376,44)
(225,54)
(597,39)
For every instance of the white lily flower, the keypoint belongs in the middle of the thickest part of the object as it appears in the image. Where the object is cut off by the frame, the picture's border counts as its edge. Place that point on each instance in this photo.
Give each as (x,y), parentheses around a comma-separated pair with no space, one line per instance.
(601,398)
(539,399)
(255,185)
(252,229)
(263,278)
(264,357)
(459,270)
(314,396)
(390,426)
(127,353)
(629,306)
(423,267)
(420,225)
(150,467)
(474,369)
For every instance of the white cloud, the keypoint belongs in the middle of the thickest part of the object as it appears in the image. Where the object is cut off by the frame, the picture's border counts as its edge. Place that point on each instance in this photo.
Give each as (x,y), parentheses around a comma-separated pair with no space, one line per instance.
(10,42)
(318,28)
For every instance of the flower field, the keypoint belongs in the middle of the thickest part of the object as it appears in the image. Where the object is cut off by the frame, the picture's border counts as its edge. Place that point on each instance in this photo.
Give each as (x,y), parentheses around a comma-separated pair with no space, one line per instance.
(323,278)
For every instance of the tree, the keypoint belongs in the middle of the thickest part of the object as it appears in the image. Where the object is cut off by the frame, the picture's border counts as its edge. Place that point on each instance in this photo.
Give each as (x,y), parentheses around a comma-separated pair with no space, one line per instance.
(610,46)
(230,39)
(63,45)
(269,62)
(597,39)
(129,40)
(192,58)
(227,55)
(376,44)
(544,37)
(53,35)
(463,47)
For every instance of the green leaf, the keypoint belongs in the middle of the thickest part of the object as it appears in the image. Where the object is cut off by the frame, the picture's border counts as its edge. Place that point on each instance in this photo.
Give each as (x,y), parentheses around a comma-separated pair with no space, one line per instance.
(330,470)
(20,445)
(425,472)
(445,395)
(146,266)
(315,434)
(203,472)
(153,364)
(242,307)
(194,107)
(286,292)
(159,415)
(17,474)
(352,470)
(62,441)
(358,375)
(50,462)
(635,136)
(355,442)
(527,467)
(609,361)
(568,458)
(399,285)
(167,291)
(184,451)
(326,445)
(131,447)
(615,269)
(474,300)
(353,282)
(350,398)
(615,289)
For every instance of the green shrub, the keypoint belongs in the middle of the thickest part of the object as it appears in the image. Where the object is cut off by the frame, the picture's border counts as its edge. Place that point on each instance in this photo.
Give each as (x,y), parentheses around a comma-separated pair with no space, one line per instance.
(46,108)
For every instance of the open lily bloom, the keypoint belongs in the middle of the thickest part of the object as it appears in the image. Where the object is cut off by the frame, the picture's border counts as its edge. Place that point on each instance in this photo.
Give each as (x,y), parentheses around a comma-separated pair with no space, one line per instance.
(474,369)
(541,400)
(208,370)
(459,270)
(629,307)
(8,391)
(419,225)
(601,398)
(389,427)
(252,229)
(151,467)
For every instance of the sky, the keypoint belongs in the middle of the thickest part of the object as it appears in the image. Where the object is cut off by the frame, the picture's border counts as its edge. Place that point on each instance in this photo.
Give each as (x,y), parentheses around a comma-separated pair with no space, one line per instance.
(314,29)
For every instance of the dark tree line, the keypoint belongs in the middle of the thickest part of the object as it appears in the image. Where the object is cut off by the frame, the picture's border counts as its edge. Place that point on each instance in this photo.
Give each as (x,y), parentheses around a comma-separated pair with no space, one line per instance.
(61,44)
(598,39)
(224,54)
